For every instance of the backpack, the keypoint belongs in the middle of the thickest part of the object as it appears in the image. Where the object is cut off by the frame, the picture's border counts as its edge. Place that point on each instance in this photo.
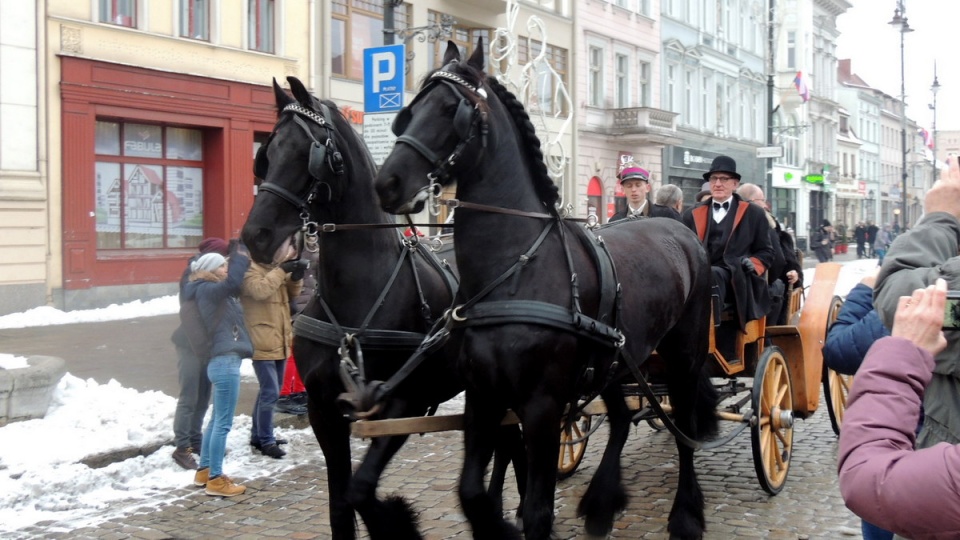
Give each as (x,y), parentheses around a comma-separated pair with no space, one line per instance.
(195,328)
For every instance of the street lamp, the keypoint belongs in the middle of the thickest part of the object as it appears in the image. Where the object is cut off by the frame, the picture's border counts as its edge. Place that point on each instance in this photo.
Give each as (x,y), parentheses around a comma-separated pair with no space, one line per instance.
(934,88)
(900,22)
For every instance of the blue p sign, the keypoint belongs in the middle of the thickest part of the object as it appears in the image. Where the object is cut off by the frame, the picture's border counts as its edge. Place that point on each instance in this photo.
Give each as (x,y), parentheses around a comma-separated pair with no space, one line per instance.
(383,78)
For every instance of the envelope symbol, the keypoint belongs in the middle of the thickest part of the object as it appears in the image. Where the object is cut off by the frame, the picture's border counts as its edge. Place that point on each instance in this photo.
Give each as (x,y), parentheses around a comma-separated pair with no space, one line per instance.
(390,100)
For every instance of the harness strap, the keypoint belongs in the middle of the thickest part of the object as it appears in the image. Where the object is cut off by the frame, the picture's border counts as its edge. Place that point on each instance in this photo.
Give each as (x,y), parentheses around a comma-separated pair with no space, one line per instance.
(326,333)
(542,313)
(521,261)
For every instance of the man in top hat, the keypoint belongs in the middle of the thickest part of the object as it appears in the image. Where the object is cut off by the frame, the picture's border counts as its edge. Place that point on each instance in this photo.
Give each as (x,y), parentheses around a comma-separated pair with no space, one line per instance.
(635,182)
(735,235)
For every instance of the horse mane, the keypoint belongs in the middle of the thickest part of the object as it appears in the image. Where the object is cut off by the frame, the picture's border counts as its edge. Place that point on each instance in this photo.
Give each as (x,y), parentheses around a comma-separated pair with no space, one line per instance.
(546,190)
(359,156)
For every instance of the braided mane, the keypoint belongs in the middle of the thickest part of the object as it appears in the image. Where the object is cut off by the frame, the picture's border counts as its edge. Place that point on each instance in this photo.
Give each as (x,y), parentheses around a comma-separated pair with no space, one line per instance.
(547,191)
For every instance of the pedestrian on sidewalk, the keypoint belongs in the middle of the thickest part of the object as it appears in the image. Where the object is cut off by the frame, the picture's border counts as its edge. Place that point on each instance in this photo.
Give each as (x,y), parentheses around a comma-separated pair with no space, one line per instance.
(214,285)
(293,395)
(860,235)
(194,398)
(883,241)
(267,290)
(823,242)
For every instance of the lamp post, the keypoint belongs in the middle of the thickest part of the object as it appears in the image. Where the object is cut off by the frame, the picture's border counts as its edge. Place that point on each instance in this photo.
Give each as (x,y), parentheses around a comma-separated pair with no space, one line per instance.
(934,88)
(899,21)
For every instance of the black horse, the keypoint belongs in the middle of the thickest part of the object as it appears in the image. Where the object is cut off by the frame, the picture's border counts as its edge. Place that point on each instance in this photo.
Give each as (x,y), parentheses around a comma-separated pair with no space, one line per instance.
(540,318)
(377,296)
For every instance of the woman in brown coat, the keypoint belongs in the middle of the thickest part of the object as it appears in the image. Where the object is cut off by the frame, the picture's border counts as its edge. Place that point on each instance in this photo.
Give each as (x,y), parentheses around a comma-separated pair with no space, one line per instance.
(267,290)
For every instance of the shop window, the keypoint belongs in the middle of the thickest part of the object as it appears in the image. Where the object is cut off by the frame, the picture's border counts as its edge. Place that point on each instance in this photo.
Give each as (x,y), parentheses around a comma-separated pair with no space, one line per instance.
(149,186)
(261,22)
(119,12)
(357,25)
(195,19)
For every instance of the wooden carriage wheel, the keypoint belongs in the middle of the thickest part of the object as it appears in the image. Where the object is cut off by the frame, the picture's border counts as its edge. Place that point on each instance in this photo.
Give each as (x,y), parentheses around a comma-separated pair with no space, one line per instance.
(772,433)
(573,444)
(836,386)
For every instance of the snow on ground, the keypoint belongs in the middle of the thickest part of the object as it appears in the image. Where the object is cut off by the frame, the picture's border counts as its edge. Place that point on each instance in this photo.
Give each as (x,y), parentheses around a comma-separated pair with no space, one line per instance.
(41,478)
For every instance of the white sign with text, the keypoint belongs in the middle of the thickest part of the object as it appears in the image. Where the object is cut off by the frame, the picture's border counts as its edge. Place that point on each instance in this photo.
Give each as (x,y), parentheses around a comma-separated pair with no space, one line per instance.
(377,135)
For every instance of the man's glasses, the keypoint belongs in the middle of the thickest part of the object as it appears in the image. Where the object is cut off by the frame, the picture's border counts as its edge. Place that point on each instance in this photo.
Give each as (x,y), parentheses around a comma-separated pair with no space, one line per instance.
(722,179)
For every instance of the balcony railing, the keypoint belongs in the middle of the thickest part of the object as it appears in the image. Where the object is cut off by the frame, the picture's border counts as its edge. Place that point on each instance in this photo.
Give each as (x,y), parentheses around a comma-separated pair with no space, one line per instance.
(638,124)
(643,117)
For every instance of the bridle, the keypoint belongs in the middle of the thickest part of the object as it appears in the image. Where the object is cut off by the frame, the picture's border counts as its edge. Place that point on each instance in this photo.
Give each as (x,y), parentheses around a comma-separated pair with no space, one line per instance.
(321,154)
(469,122)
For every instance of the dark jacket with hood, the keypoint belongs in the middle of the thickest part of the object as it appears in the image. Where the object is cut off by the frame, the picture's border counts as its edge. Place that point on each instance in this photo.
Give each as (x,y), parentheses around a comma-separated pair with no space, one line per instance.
(230,335)
(857,327)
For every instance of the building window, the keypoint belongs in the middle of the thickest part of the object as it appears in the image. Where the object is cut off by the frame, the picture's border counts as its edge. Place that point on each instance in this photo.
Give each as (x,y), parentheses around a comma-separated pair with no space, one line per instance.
(119,12)
(149,186)
(671,88)
(783,205)
(792,50)
(623,81)
(261,20)
(595,82)
(465,38)
(688,103)
(644,84)
(357,25)
(547,85)
(195,19)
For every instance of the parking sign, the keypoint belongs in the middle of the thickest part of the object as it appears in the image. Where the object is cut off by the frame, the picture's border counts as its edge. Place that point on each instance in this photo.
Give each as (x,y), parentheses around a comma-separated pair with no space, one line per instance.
(383,76)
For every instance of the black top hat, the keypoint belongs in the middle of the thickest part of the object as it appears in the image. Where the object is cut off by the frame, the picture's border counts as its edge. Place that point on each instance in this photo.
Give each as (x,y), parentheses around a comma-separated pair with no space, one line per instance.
(722,164)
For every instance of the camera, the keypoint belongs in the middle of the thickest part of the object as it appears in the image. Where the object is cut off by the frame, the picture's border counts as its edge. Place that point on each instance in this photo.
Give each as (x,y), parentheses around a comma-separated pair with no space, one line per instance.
(951,314)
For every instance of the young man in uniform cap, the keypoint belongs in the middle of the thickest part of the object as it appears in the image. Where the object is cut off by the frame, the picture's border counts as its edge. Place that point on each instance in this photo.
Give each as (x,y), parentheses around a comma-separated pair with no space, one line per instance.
(735,235)
(635,182)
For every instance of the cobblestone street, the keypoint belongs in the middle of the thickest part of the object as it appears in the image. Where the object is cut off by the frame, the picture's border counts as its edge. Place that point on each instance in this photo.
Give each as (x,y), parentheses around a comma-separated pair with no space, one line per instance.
(294,504)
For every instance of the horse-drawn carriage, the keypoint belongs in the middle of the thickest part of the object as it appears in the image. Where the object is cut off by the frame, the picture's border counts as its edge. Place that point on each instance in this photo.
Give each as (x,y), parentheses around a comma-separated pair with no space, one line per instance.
(546,313)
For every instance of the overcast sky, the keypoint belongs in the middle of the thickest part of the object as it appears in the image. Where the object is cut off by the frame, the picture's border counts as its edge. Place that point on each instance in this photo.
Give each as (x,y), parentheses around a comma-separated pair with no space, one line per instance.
(874,48)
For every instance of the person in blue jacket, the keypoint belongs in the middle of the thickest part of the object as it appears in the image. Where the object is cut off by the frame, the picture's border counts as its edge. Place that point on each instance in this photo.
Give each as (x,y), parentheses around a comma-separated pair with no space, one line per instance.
(215,285)
(857,327)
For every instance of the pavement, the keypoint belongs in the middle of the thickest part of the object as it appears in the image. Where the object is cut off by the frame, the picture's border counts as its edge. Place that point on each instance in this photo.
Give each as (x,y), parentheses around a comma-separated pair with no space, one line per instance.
(293,504)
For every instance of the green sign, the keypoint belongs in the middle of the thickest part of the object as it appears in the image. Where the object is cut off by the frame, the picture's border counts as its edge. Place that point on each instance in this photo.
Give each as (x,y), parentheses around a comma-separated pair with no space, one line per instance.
(813,178)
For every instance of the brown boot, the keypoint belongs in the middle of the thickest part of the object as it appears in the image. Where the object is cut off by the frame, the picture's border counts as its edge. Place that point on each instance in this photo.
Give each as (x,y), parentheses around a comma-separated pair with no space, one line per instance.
(202,477)
(222,486)
(184,458)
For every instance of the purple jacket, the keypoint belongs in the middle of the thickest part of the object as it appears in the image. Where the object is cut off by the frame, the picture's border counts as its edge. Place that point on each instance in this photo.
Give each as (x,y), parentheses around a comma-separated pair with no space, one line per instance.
(915,493)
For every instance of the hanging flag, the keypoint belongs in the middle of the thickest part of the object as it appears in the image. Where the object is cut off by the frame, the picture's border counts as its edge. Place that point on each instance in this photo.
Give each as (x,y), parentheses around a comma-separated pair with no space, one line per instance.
(801,85)
(927,137)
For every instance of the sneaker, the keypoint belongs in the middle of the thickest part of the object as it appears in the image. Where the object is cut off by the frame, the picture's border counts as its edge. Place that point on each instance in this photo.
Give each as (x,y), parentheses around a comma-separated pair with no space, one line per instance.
(300,398)
(288,405)
(258,446)
(273,451)
(202,477)
(184,458)
(222,486)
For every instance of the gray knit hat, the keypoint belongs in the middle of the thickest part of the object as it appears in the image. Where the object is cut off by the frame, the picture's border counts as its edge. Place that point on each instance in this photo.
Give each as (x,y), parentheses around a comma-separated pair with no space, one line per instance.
(208,262)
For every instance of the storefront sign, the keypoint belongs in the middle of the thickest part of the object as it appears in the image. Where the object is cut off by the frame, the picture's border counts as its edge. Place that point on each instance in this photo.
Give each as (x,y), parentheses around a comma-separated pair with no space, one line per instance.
(813,179)
(689,158)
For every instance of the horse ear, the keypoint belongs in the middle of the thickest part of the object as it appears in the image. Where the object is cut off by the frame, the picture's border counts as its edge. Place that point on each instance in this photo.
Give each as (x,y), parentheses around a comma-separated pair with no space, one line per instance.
(476,59)
(452,53)
(282,98)
(300,91)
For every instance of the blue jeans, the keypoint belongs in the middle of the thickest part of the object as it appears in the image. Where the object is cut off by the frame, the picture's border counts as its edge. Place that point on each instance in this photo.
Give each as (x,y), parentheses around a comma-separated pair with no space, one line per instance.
(193,401)
(270,375)
(224,374)
(872,532)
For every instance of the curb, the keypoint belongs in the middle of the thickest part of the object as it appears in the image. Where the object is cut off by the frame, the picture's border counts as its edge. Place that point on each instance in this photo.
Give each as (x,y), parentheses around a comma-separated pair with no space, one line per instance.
(25,393)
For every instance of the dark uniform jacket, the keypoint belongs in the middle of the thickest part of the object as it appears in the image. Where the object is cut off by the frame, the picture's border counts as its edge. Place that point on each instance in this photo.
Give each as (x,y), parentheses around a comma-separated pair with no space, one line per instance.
(623,214)
(664,211)
(750,237)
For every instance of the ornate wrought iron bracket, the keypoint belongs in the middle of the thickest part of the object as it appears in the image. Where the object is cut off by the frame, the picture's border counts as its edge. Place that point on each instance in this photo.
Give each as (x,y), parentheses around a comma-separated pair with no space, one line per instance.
(423,34)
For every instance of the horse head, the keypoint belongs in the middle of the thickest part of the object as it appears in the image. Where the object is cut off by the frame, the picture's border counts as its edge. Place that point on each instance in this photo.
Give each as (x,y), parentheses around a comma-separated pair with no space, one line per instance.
(441,133)
(304,168)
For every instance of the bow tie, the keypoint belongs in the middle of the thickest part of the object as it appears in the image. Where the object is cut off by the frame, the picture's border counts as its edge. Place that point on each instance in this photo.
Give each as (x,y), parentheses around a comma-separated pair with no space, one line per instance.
(718,206)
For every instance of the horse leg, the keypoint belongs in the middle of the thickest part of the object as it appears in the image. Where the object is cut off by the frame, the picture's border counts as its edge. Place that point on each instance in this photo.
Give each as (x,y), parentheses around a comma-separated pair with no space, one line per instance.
(333,434)
(509,449)
(392,518)
(694,400)
(606,496)
(481,428)
(540,417)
